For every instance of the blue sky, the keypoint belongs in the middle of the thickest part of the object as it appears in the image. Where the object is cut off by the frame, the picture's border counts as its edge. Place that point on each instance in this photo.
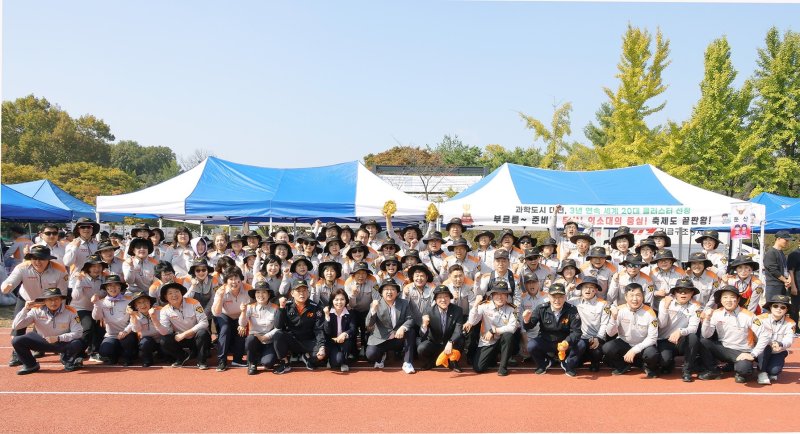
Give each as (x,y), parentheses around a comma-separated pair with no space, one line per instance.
(307,83)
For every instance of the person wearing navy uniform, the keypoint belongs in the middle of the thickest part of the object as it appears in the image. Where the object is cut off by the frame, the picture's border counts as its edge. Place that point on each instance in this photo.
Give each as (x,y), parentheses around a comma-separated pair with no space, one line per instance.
(302,330)
(558,322)
(441,329)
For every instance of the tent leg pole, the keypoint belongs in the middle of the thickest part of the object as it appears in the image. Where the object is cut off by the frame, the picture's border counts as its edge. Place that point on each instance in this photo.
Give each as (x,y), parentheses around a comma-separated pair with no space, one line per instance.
(201,228)
(680,241)
(761,251)
(160,223)
(270,225)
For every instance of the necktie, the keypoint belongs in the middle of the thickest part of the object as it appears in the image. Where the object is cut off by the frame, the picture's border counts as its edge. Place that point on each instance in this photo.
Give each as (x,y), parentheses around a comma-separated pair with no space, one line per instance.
(443,314)
(393,315)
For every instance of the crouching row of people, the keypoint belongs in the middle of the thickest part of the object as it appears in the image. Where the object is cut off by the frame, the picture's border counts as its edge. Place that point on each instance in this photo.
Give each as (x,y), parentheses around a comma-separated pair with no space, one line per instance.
(633,334)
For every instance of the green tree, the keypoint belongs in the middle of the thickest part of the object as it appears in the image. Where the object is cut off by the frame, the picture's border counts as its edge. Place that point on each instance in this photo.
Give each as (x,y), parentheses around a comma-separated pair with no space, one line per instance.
(453,152)
(16,173)
(776,117)
(150,164)
(598,135)
(37,133)
(403,156)
(703,150)
(629,139)
(556,145)
(86,181)
(496,155)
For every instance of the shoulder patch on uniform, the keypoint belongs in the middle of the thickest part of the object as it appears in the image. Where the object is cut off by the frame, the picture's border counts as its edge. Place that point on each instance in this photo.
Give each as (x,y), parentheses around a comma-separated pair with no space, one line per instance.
(199,309)
(759,290)
(607,309)
(756,321)
(654,323)
(651,288)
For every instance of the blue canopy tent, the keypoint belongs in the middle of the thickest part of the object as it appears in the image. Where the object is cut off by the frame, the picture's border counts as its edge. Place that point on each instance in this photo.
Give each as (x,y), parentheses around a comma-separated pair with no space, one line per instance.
(223,192)
(51,194)
(19,207)
(774,202)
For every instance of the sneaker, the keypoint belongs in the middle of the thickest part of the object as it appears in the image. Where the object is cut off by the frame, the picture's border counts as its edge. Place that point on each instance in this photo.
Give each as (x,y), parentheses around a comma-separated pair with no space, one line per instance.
(238,363)
(26,370)
(282,368)
(344,368)
(709,375)
(741,379)
(650,373)
(71,366)
(502,372)
(252,368)
(568,371)
(763,378)
(181,360)
(542,370)
(222,365)
(621,371)
(379,365)
(38,354)
(147,364)
(306,359)
(95,357)
(773,378)
(408,368)
(687,377)
(455,366)
(202,366)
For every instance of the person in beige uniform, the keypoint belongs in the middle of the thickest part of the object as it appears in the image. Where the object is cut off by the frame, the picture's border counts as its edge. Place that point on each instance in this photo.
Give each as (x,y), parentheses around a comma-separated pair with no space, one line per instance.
(630,272)
(183,325)
(678,322)
(261,319)
(599,267)
(57,329)
(703,278)
(739,339)
(499,323)
(636,326)
(779,329)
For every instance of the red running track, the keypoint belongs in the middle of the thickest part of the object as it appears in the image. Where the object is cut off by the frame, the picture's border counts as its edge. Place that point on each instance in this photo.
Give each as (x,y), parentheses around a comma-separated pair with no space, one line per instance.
(103,399)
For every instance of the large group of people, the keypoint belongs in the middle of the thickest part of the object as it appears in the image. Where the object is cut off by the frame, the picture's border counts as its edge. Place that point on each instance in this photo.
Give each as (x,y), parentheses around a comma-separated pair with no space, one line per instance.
(336,294)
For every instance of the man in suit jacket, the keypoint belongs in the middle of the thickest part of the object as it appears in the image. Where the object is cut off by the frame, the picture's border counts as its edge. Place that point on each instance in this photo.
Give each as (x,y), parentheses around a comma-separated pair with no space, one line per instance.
(392,327)
(441,330)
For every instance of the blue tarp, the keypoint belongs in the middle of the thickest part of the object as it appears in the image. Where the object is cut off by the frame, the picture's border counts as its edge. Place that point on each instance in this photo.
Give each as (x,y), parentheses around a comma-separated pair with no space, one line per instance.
(19,207)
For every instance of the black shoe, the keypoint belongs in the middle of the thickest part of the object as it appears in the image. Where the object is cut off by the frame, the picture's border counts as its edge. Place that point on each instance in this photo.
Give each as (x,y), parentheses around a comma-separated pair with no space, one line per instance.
(502,372)
(650,373)
(181,360)
(306,359)
(38,354)
(70,366)
(455,366)
(15,361)
(543,369)
(512,361)
(252,368)
(147,364)
(26,370)
(687,377)
(594,367)
(709,375)
(126,363)
(621,371)
(202,366)
(281,368)
(740,379)
(427,366)
(222,365)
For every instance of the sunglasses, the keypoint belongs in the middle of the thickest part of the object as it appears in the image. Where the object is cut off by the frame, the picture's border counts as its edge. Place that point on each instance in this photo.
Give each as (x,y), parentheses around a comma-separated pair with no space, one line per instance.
(780,306)
(525,242)
(84,227)
(633,266)
(50,233)
(201,270)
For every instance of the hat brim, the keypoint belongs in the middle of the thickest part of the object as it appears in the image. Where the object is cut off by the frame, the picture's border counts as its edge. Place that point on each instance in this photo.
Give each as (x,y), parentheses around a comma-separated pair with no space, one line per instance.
(732,266)
(484,234)
(29,256)
(122,285)
(132,303)
(588,238)
(252,293)
(706,263)
(452,247)
(420,267)
(694,289)
(163,291)
(95,228)
(628,237)
(47,297)
(136,241)
(309,264)
(703,237)
(411,228)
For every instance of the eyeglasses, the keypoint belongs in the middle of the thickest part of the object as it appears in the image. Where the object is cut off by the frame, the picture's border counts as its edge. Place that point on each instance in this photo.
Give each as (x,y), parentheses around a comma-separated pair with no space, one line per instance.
(780,306)
(80,228)
(201,270)
(50,233)
(525,242)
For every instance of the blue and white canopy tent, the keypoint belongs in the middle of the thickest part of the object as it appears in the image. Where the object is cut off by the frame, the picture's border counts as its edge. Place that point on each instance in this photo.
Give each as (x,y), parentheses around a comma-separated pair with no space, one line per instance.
(774,202)
(19,207)
(45,191)
(638,197)
(223,192)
